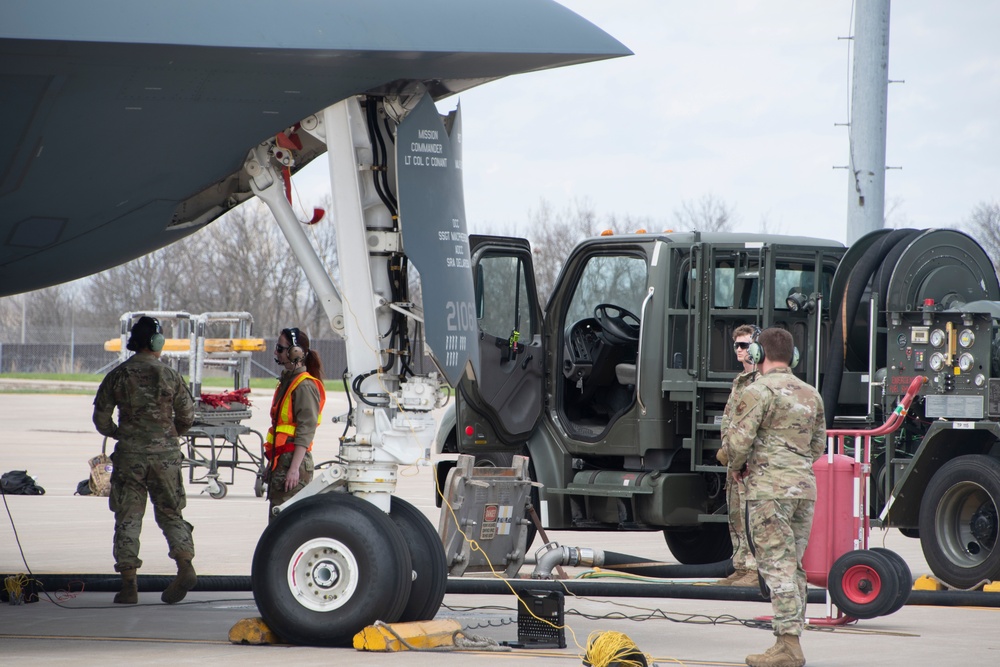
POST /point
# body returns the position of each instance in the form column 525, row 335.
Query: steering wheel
column 620, row 326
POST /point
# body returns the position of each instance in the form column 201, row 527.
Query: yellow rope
column 605, row 648
column 15, row 586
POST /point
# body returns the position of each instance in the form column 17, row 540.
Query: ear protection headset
column 146, row 333
column 295, row 351
column 156, row 341
column 755, row 353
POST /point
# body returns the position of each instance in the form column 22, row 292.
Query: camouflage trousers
column 276, row 493
column 779, row 530
column 158, row 476
column 736, row 499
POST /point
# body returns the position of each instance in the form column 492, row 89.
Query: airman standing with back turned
column 777, row 433
column 154, row 407
column 744, row 563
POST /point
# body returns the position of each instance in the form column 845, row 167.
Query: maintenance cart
column 218, row 440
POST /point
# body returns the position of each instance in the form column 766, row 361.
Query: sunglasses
column 280, row 348
column 741, row 346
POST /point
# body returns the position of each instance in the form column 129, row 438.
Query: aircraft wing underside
column 126, row 125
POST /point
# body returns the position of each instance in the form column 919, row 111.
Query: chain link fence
column 92, row 358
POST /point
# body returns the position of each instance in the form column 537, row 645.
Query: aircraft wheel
column 904, row 578
column 863, row 584
column 708, row 543
column 959, row 521
column 430, row 567
column 329, row 566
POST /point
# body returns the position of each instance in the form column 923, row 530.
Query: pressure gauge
column 980, row 380
column 936, row 361
column 966, row 362
column 937, row 338
column 966, row 338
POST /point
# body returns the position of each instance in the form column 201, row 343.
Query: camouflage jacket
column 154, row 405
column 741, row 382
column 778, row 430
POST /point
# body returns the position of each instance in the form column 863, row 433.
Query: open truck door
column 496, row 413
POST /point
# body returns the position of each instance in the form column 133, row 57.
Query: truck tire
column 504, row 460
column 327, row 567
column 708, row 543
column 958, row 521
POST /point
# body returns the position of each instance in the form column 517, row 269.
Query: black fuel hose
column 843, row 320
column 109, row 583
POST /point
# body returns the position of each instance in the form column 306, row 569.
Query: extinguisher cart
column 861, row 582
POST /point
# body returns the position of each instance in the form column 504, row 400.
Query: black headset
column 295, row 351
column 755, row 353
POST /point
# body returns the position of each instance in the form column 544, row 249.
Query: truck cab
column 616, row 388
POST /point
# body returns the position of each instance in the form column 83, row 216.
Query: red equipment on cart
column 861, row 582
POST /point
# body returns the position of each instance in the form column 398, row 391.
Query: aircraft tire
column 328, row 567
column 430, row 567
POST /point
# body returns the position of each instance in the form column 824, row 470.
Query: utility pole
column 867, row 129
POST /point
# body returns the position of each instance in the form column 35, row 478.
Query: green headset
column 157, row 341
column 755, row 353
column 295, row 351
column 138, row 341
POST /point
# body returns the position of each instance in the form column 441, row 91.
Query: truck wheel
column 430, row 567
column 504, row 460
column 863, row 584
column 708, row 543
column 958, row 521
column 903, row 575
column 327, row 567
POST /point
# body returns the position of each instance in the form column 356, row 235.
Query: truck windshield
column 618, row 280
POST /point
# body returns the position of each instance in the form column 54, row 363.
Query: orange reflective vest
column 282, row 430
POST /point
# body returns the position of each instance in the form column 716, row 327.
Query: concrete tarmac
column 51, row 436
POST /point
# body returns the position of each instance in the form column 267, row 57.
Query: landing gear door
column 501, row 409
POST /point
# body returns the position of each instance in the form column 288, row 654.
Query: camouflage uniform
column 736, row 494
column 154, row 407
column 306, row 411
column 778, row 431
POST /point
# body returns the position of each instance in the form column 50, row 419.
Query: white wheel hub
column 323, row 574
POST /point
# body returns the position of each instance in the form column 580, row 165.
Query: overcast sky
column 741, row 100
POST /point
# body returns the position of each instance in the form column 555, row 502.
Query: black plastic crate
column 548, row 606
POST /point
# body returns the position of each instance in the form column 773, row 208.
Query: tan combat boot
column 129, row 594
column 183, row 582
column 786, row 652
column 748, row 578
column 734, row 577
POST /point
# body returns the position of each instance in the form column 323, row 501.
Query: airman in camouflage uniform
column 777, row 433
column 154, row 407
column 744, row 563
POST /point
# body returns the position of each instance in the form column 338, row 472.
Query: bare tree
column 552, row 234
column 766, row 226
column 894, row 215
column 984, row 225
column 708, row 214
